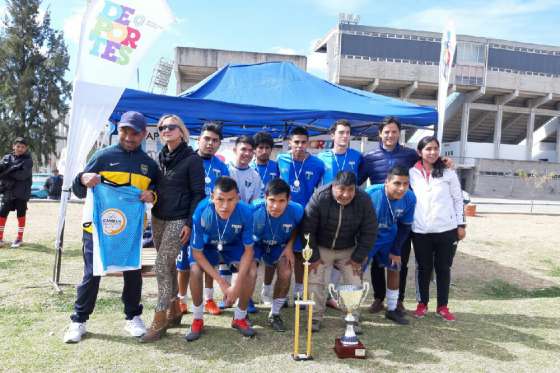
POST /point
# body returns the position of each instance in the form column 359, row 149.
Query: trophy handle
column 332, row 291
column 365, row 285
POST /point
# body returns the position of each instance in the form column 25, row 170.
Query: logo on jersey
column 287, row 227
column 309, row 174
column 236, row 227
column 113, row 221
column 144, row 169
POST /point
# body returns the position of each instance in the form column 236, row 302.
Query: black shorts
column 7, row 205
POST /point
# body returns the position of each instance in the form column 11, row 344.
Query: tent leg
column 58, row 262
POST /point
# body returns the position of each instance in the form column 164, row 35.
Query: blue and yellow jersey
column 118, row 166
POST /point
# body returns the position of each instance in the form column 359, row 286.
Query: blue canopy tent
column 274, row 96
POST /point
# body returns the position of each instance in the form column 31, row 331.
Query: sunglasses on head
column 169, row 127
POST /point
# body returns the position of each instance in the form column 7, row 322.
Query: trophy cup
column 349, row 298
column 305, row 301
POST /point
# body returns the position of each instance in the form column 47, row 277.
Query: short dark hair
column 277, row 186
column 340, row 122
column 439, row 166
column 345, row 178
column 244, row 139
column 263, row 138
column 387, row 121
column 20, row 140
column 213, row 127
column 299, row 130
column 226, row 184
column 397, row 171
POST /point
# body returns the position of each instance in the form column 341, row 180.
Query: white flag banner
column 115, row 35
column 448, row 44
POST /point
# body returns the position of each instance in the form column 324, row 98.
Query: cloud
column 496, row 19
column 316, row 62
column 72, row 25
column 284, row 50
column 333, row 7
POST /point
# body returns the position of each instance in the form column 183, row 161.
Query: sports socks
column 21, row 227
column 239, row 314
column 2, row 225
column 198, row 311
column 277, row 304
column 298, row 289
column 267, row 289
column 392, row 298
column 208, row 293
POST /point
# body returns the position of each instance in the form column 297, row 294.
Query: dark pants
column 88, row 289
column 378, row 274
column 7, row 205
column 435, row 250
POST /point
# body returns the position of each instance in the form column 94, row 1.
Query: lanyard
column 390, row 208
column 263, row 176
column 343, row 163
column 269, row 220
column 207, row 179
column 296, row 174
column 220, row 235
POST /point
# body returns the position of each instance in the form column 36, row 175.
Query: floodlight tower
column 160, row 76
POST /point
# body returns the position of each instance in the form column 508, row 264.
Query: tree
column 33, row 91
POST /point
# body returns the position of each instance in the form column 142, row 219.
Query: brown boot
column 174, row 314
column 376, row 306
column 157, row 329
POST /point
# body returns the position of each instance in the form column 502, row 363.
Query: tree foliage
column 33, row 91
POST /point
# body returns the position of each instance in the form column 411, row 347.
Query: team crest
column 144, row 169
column 113, row 221
column 287, row 227
column 236, row 227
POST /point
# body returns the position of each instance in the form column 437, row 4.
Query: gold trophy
column 349, row 298
column 306, row 253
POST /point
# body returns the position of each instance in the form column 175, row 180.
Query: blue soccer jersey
column 334, row 163
column 303, row 177
column 269, row 232
column 389, row 214
column 212, row 232
column 213, row 169
column 266, row 172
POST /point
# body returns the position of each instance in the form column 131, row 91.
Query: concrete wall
column 477, row 150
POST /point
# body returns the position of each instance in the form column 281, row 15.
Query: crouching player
column 275, row 226
column 222, row 233
column 394, row 206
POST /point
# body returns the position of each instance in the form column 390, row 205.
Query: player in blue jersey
column 208, row 144
column 341, row 157
column 275, row 226
column 303, row 173
column 268, row 170
column 222, row 233
column 266, row 167
column 394, row 206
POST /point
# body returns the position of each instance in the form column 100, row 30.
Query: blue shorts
column 269, row 256
column 182, row 261
column 298, row 244
column 381, row 257
column 215, row 257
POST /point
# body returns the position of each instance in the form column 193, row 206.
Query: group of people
column 210, row 219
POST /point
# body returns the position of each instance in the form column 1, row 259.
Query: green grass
column 500, row 327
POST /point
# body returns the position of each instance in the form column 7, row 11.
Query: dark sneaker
column 396, row 317
column 197, row 327
column 243, row 327
column 358, row 329
column 316, row 326
column 400, row 309
column 275, row 321
column 376, row 306
column 16, row 244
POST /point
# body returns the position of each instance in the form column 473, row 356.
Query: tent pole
column 60, row 239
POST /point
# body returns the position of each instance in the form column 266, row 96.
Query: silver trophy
column 349, row 298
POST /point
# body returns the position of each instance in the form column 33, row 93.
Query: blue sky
column 293, row 26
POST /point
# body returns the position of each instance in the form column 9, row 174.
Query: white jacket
column 439, row 201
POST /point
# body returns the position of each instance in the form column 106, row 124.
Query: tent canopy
column 274, row 96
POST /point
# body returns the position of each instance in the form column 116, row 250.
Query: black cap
column 20, row 140
column 133, row 119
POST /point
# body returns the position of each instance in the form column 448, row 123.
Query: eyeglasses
column 170, row 127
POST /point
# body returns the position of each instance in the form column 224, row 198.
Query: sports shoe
column 421, row 310
column 315, row 325
column 211, row 307
column 376, row 306
column 401, row 310
column 396, row 317
column 444, row 313
column 197, row 327
column 266, row 299
column 16, row 244
column 135, row 327
column 222, row 305
column 275, row 321
column 74, row 332
column 184, row 308
column 251, row 306
column 243, row 327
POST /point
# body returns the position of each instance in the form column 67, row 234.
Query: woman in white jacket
column 438, row 224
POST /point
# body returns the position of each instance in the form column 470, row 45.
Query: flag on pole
column 115, row 35
column 448, row 44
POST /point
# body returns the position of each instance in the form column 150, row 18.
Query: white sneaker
column 74, row 332
column 266, row 299
column 16, row 244
column 135, row 327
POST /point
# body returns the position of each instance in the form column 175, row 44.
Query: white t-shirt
column 248, row 182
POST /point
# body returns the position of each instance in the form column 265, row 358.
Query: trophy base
column 302, row 357
column 357, row 351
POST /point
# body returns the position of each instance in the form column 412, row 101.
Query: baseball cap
column 20, row 140
column 133, row 119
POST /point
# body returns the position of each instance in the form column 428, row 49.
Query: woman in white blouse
column 438, row 224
